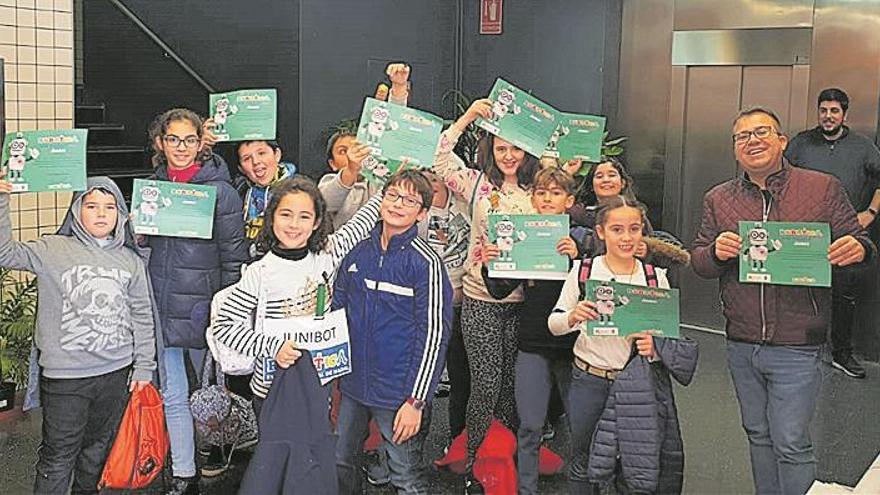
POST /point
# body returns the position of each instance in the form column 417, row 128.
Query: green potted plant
column 18, row 307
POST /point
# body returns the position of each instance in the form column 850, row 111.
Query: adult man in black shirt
column 833, row 148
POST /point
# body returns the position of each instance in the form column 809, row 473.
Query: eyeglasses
column 392, row 196
column 763, row 132
column 174, row 141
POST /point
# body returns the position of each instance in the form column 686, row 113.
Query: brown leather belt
column 595, row 371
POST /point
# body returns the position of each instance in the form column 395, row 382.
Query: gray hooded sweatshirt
column 94, row 311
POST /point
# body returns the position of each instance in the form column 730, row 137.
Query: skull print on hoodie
column 94, row 312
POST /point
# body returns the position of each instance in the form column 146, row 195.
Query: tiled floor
column 846, row 435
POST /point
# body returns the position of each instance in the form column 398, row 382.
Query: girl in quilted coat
column 600, row 362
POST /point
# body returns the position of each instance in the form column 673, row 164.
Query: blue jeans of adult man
column 587, row 395
column 178, row 416
column 405, row 461
column 777, row 388
column 536, row 376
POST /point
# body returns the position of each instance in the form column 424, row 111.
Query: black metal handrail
column 164, row 46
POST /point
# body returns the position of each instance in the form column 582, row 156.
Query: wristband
column 872, row 211
column 418, row 405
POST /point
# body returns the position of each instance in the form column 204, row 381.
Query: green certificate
column 625, row 309
column 785, row 253
column 528, row 246
column 173, row 209
column 395, row 134
column 520, row 118
column 577, row 136
column 245, row 115
column 46, row 161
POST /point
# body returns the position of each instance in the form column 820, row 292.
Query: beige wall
column 36, row 43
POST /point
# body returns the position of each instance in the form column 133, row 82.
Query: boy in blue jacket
column 398, row 301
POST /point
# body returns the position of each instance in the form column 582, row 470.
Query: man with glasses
column 833, row 148
column 774, row 332
column 398, row 301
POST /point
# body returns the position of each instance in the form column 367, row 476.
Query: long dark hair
column 525, row 174
column 266, row 239
column 587, row 195
column 159, row 127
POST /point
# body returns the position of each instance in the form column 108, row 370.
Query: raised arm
column 460, row 179
column 355, row 230
column 14, row 254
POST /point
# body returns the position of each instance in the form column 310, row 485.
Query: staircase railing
column 164, row 46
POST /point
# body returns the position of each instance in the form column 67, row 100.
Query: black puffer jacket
column 187, row 272
column 640, row 422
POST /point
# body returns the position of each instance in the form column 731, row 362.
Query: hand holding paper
column 585, row 310
column 287, row 355
column 479, row 108
column 846, row 251
column 644, row 342
column 727, row 246
column 567, row 247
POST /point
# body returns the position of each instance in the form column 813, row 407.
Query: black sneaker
column 442, row 390
column 377, row 471
column 183, row 486
column 472, row 485
column 216, row 464
column 849, row 366
column 549, row 432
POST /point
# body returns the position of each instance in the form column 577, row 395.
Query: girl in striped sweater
column 301, row 261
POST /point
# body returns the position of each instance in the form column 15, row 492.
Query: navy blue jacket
column 297, row 452
column 187, row 272
column 639, row 425
column 399, row 309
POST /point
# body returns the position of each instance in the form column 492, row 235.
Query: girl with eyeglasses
column 187, row 272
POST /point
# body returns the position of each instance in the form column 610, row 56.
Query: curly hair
column 266, row 239
column 160, row 124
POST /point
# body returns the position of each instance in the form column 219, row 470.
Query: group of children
column 407, row 261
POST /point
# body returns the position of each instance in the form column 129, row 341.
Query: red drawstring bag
column 494, row 465
column 139, row 450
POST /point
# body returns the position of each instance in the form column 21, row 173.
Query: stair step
column 114, row 173
column 89, row 114
column 117, row 158
column 103, row 134
column 101, row 126
column 115, row 149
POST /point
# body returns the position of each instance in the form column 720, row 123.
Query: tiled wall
column 36, row 43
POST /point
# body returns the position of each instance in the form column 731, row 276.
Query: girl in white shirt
column 598, row 360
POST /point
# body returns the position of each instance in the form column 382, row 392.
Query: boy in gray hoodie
column 95, row 332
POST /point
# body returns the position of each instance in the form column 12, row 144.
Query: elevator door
column 704, row 101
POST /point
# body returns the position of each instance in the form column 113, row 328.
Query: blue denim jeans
column 536, row 376
column 405, row 461
column 587, row 395
column 178, row 417
column 777, row 388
